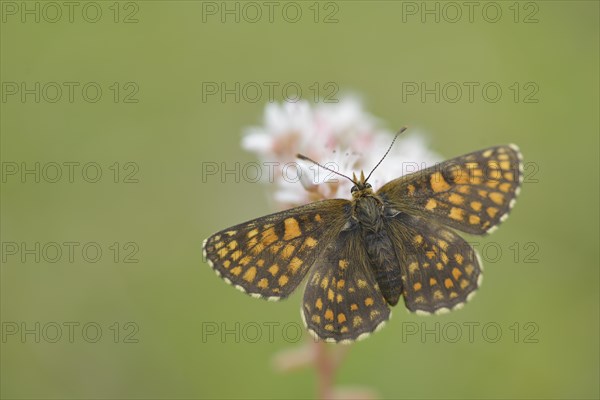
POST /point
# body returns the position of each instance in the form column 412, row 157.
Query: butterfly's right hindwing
column 269, row 256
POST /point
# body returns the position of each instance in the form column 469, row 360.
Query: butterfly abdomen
column 384, row 263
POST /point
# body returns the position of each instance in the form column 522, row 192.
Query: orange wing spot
column 505, row 187
column 361, row 283
column 251, row 243
column 274, row 269
column 325, row 283
column 456, row 273
column 453, row 295
column 438, row 184
column 439, row 266
column 252, row 233
column 353, row 307
column 250, row 274
column 432, row 281
column 295, row 265
column 426, row 265
column 443, row 244
column 263, row 283
column 269, row 237
column 492, row 211
column 505, row 165
column 509, row 176
column 236, row 255
column 232, row 245
column 418, row 239
column 503, row 157
column 260, row 262
column 340, row 284
column 344, row 329
column 469, row 269
column 456, row 214
column 413, row 267
column 318, row 218
column 330, row 295
column 283, row 279
column 482, row 193
column 474, row 219
column 319, row 303
column 492, row 184
column 456, row 199
column 357, row 321
column 329, row 327
column 459, row 258
column 310, row 242
column 369, row 301
column 236, row 271
column 341, row 318
column 431, row 204
column 487, row 153
column 430, row 254
column 245, row 261
column 292, row 229
column 444, row 258
column 275, row 248
column 223, row 252
column 226, row 263
column 276, row 290
column 419, row 299
column 257, row 249
column 411, row 190
column 343, row 264
column 464, row 283
column 219, row 245
column 373, row 314
column 329, row 315
column 476, row 205
column 464, row 189
column 460, row 176
column 231, row 233
column 287, row 251
column 438, row 295
column 417, row 286
column 316, row 319
column 497, row 198
column 339, row 298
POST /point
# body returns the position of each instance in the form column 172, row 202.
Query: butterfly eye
column 354, row 189
column 368, row 185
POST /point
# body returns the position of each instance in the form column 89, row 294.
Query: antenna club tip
column 301, row 156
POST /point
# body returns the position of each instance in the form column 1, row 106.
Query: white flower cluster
column 341, row 136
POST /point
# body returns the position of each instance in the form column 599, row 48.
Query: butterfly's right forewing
column 269, row 256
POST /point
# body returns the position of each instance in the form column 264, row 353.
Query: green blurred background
column 169, row 296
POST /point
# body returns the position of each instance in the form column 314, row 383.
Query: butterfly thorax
column 369, row 212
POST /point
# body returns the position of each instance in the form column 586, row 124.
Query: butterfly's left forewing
column 269, row 256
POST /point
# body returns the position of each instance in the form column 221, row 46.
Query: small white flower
column 341, row 136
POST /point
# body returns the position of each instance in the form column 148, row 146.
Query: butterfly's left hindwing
column 269, row 256
column 342, row 301
column 472, row 193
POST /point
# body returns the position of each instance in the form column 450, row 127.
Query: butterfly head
column 361, row 186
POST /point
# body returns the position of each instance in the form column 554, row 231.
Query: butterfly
column 360, row 256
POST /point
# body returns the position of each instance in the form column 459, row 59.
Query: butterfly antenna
column 386, row 153
column 303, row 157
